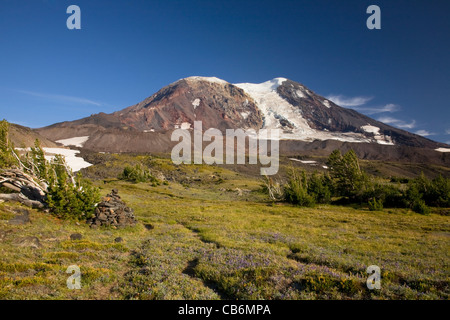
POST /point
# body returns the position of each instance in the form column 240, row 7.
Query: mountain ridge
column 302, row 116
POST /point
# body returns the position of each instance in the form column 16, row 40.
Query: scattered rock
column 76, row 236
column 118, row 239
column 22, row 218
column 112, row 211
column 3, row 234
column 30, row 242
column 160, row 176
column 240, row 192
column 148, row 226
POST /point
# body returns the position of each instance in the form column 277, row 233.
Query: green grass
column 216, row 237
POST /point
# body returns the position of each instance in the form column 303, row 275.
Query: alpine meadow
column 235, row 151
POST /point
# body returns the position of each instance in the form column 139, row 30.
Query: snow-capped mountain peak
column 280, row 103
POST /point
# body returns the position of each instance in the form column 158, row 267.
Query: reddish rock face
column 217, row 105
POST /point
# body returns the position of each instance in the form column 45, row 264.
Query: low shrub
column 296, row 190
column 139, row 173
column 419, row 206
column 375, row 204
column 68, row 200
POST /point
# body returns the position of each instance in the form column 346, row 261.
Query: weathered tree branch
column 19, row 178
column 10, row 186
column 29, row 192
column 20, row 198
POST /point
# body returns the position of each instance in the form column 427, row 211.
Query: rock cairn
column 112, row 211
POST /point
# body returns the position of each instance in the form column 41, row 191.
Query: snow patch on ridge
column 196, row 103
column 75, row 141
column 208, row 79
column 371, row 129
column 379, row 138
column 387, row 141
column 185, row 126
column 245, row 115
column 300, row 94
column 442, row 149
column 303, row 161
column 326, row 103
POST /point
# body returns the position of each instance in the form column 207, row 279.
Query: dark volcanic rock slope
column 323, row 114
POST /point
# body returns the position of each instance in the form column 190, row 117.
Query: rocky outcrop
column 112, row 211
column 28, row 242
column 22, row 217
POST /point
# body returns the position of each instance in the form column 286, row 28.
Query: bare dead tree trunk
column 274, row 189
column 22, row 199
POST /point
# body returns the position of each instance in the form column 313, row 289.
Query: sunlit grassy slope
column 214, row 236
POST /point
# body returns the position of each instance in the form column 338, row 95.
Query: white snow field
column 75, row 141
column 304, row 161
column 380, row 138
column 371, row 129
column 274, row 108
column 443, row 149
column 74, row 162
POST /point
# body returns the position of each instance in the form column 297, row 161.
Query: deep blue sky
column 127, row 50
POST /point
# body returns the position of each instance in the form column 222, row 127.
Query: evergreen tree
column 319, row 187
column 38, row 162
column 296, row 190
column 67, row 197
column 439, row 192
column 6, row 147
column 348, row 178
column 70, row 200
